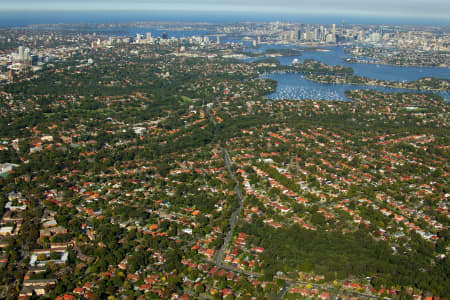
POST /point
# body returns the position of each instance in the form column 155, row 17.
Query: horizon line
column 430, row 21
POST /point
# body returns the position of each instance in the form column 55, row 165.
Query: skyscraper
column 26, row 56
column 297, row 34
column 316, row 34
column 361, row 35
column 333, row 33
column 292, row 36
column 21, row 54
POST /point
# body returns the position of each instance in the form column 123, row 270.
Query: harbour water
column 295, row 86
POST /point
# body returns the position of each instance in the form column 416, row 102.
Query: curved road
column 283, row 290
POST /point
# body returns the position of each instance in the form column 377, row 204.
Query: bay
column 295, row 86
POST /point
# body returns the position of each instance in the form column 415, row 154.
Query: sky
column 439, row 9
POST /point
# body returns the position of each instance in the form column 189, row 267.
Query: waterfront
column 335, row 55
column 295, row 86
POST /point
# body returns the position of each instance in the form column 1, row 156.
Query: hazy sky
column 403, row 8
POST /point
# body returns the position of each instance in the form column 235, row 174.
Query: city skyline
column 384, row 8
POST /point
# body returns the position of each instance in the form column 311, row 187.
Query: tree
column 174, row 282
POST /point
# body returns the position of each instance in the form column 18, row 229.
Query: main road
column 218, row 258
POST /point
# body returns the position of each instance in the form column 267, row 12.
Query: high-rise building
column 361, row 35
column 21, row 54
column 292, row 36
column 316, row 34
column 34, row 59
column 330, row 39
column 218, row 40
column 375, row 37
column 297, row 34
column 333, row 33
column 26, row 56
